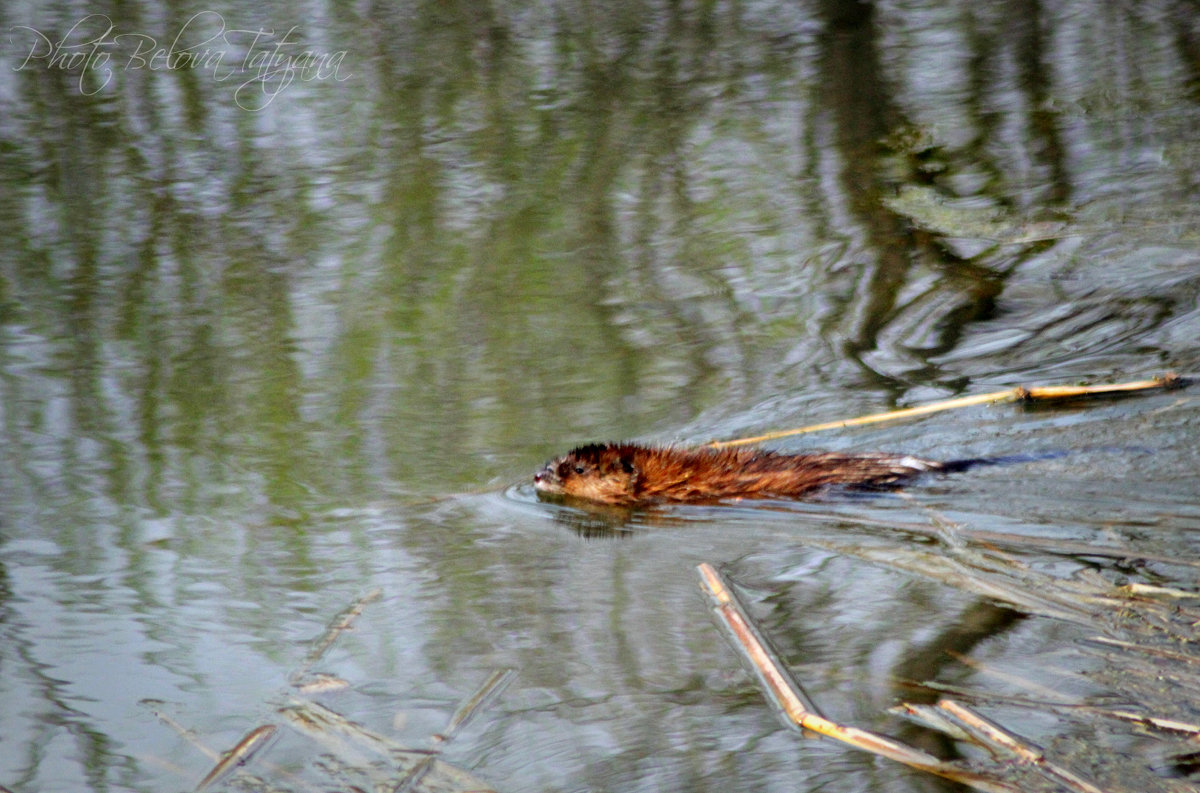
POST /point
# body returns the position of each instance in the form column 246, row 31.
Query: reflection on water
column 258, row 327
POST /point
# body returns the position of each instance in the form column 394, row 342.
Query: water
column 266, row 346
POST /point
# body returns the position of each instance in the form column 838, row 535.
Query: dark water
column 272, row 338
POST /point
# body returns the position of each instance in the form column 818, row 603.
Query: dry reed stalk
column 341, row 623
column 1151, row 723
column 1018, row 394
column 1086, row 598
column 239, row 755
column 407, row 770
column 241, row 752
column 183, row 732
column 993, row 540
column 483, row 696
column 1017, row 681
column 344, row 738
column 490, row 689
column 991, row 735
column 1154, row 722
column 785, row 694
column 1157, row 652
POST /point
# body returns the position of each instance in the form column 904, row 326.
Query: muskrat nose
column 545, row 479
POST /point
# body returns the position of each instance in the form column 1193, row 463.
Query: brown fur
column 625, row 473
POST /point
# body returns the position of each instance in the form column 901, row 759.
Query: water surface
column 272, row 340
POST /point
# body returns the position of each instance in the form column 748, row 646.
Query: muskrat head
column 603, row 473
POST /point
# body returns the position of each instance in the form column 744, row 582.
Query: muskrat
column 629, row 474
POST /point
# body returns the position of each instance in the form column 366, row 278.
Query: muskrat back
column 628, row 474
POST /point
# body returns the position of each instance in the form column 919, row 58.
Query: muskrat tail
column 953, row 466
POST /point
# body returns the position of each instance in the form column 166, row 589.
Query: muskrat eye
column 579, row 469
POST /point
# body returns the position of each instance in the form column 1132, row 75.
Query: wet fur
column 626, row 473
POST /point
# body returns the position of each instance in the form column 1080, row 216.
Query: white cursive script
column 258, row 63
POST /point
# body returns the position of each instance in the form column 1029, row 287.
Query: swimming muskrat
column 629, row 474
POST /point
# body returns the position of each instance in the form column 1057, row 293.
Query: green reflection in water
column 239, row 339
